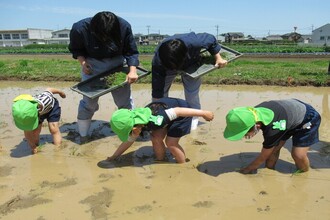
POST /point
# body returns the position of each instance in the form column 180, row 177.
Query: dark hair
column 172, row 53
column 105, row 26
column 156, row 107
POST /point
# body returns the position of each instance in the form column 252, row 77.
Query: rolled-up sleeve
column 209, row 42
column 130, row 51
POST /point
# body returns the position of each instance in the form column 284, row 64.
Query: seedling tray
column 99, row 85
column 200, row 69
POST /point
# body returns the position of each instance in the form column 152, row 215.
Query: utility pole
column 148, row 27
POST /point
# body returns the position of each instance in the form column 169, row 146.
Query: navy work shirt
column 84, row 43
column 194, row 43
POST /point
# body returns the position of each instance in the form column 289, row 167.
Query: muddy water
column 74, row 182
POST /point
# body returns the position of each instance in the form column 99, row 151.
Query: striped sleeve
column 46, row 101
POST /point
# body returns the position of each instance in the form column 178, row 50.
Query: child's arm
column 191, row 112
column 56, row 91
column 120, row 150
column 254, row 165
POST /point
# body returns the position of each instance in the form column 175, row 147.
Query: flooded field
column 74, row 181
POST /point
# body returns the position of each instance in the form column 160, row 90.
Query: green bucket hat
column 123, row 121
column 25, row 112
column 240, row 120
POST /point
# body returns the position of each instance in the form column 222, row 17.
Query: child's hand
column 62, row 94
column 208, row 115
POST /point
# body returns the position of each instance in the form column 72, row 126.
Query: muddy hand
column 208, row 116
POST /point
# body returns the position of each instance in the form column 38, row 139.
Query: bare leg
column 272, row 160
column 55, row 131
column 175, row 149
column 157, row 139
column 32, row 138
column 299, row 155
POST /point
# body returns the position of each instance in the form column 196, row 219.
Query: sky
column 258, row 18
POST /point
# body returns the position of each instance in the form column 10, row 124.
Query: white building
column 20, row 38
column 321, row 35
column 59, row 37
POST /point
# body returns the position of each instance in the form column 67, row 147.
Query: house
column 275, row 37
column 19, row 38
column 149, row 39
column 321, row 35
column 293, row 36
column 59, row 37
column 305, row 39
column 232, row 36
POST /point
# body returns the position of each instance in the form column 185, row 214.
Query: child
column 168, row 119
column 30, row 112
column 279, row 120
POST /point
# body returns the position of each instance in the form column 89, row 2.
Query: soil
column 75, row 182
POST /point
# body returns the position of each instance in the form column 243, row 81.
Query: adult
column 177, row 53
column 101, row 43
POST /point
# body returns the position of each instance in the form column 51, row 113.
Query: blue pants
column 191, row 88
column 305, row 137
column 121, row 96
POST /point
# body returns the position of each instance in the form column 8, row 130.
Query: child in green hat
column 279, row 120
column 29, row 112
column 168, row 119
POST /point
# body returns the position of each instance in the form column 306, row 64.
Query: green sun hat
column 123, row 121
column 25, row 112
column 240, row 120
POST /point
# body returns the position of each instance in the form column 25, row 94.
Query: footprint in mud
column 266, row 209
column 99, row 203
column 5, row 170
column 21, row 202
column 60, row 184
column 197, row 142
column 143, row 208
column 203, row 204
column 104, row 177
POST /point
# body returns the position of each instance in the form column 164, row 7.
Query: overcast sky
column 255, row 17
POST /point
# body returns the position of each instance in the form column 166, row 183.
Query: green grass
column 245, row 70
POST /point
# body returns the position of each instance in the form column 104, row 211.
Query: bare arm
column 191, row 112
column 120, row 150
column 56, row 91
column 254, row 165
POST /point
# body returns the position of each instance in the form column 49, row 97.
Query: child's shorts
column 53, row 116
column 307, row 133
column 180, row 127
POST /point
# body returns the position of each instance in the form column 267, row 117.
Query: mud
column 75, row 182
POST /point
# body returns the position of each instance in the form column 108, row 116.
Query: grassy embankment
column 254, row 70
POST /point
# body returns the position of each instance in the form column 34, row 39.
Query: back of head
column 25, row 114
column 172, row 54
column 105, row 26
